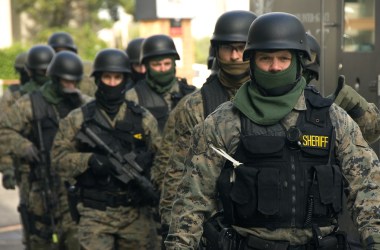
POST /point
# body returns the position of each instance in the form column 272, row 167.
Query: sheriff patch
column 315, row 141
column 138, row 136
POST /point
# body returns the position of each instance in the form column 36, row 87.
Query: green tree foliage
column 77, row 17
column 201, row 47
column 8, row 57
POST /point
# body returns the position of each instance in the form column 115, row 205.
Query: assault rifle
column 125, row 168
column 48, row 191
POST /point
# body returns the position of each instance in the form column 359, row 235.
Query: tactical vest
column 213, row 94
column 155, row 102
column 290, row 179
column 126, row 136
column 45, row 121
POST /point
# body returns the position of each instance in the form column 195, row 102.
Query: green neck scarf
column 29, row 87
column 161, row 82
column 269, row 109
column 50, row 93
column 233, row 75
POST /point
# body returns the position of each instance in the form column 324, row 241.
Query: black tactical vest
column 45, row 121
column 213, row 94
column 156, row 104
column 126, row 136
column 289, row 178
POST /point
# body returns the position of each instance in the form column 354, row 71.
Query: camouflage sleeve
column 161, row 160
column 189, row 115
column 6, row 102
column 196, row 199
column 15, row 125
column 369, row 123
column 360, row 166
column 150, row 127
column 131, row 95
column 66, row 159
column 8, row 99
column 6, row 163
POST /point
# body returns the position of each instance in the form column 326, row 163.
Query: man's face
column 161, row 65
column 68, row 84
column 231, row 52
column 139, row 68
column 273, row 61
column 112, row 78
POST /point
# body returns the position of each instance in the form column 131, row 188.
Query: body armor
column 213, row 94
column 289, row 178
column 126, row 136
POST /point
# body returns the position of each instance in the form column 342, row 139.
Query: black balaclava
column 110, row 98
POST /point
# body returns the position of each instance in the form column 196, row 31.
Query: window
column 359, row 26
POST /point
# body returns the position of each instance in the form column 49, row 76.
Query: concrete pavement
column 10, row 228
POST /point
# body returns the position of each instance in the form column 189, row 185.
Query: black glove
column 30, row 154
column 100, row 164
column 9, row 181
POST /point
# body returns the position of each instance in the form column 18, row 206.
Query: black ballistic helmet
column 62, row 40
column 39, row 57
column 133, row 50
column 232, row 26
column 66, row 65
column 111, row 60
column 158, row 45
column 315, row 50
column 20, row 61
column 276, row 31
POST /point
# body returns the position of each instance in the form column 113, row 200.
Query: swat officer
column 28, row 128
column 161, row 90
column 61, row 41
column 19, row 67
column 97, row 150
column 33, row 63
column 291, row 150
column 6, row 164
column 138, row 69
column 365, row 114
column 228, row 42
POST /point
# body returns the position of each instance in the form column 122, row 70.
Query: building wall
column 182, row 38
column 6, row 23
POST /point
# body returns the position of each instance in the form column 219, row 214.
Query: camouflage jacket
column 186, row 115
column 196, row 200
column 161, row 158
column 369, row 123
column 71, row 163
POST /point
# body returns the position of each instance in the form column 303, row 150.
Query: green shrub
column 8, row 56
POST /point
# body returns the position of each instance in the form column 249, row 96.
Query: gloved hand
column 9, row 181
column 348, row 99
column 100, row 164
column 30, row 154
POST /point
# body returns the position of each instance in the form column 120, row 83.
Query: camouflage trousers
column 117, row 228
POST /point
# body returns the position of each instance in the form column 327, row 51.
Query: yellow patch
column 138, row 136
column 317, row 141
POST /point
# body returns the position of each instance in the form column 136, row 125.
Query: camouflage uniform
column 161, row 158
column 369, row 123
column 15, row 127
column 96, row 228
column 12, row 164
column 186, row 116
column 196, row 200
